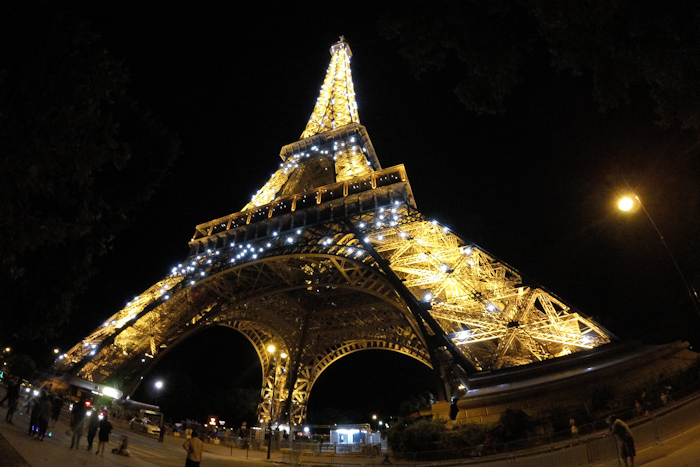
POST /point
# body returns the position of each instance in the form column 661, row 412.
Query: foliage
column 22, row 366
column 77, row 157
column 415, row 402
column 556, row 418
column 408, row 435
column 687, row 378
column 422, row 435
column 512, row 425
column 463, row 436
column 622, row 49
column 600, row 399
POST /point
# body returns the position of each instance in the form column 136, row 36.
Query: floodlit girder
column 273, row 282
column 331, row 257
column 470, row 291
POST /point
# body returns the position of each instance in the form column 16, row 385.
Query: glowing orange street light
column 626, row 204
column 632, row 203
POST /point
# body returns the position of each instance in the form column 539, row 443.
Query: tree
column 421, row 435
column 77, row 158
column 512, row 425
column 22, row 366
column 544, row 69
column 623, row 49
column 415, row 402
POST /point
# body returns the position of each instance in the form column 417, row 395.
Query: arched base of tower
column 569, row 382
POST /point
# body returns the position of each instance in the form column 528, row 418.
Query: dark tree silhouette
column 77, row 158
column 623, row 49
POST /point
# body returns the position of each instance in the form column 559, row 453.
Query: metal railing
column 560, row 449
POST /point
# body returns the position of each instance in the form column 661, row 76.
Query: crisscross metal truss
column 316, row 294
column 324, row 291
column 479, row 302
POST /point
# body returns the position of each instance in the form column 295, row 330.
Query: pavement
column 17, row 449
column 682, row 450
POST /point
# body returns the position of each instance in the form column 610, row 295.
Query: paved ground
column 17, row 449
column 680, row 451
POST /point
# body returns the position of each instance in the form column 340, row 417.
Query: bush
column 463, row 436
column 419, row 436
column 513, row 425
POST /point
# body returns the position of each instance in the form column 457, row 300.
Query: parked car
column 144, row 426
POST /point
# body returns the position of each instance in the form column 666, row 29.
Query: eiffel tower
column 331, row 256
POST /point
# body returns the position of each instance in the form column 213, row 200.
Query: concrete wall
column 567, row 383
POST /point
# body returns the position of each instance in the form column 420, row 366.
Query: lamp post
column 271, row 350
column 628, row 204
column 56, row 351
column 158, row 385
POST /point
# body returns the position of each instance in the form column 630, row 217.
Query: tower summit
column 336, row 105
column 334, row 147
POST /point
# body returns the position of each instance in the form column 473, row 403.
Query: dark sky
column 534, row 187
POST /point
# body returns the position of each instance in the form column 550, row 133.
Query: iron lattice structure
column 331, row 257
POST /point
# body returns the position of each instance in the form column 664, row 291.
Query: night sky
column 535, row 187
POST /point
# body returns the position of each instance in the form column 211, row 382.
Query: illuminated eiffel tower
column 331, row 257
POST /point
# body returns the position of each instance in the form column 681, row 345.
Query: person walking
column 45, row 405
column 57, row 406
column 93, row 424
column 12, row 399
column 574, row 431
column 194, row 447
column 8, row 385
column 103, row 437
column 77, row 423
column 34, row 414
column 624, row 438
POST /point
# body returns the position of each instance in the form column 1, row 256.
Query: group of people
column 82, row 415
column 43, row 407
column 40, row 414
column 623, row 436
column 46, row 406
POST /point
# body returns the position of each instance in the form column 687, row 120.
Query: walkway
column 17, row 449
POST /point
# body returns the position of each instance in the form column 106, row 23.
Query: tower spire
column 336, row 105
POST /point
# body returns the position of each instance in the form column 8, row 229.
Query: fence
column 555, row 449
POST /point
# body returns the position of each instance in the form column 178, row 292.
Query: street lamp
column 54, row 366
column 271, row 349
column 630, row 204
column 158, row 385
